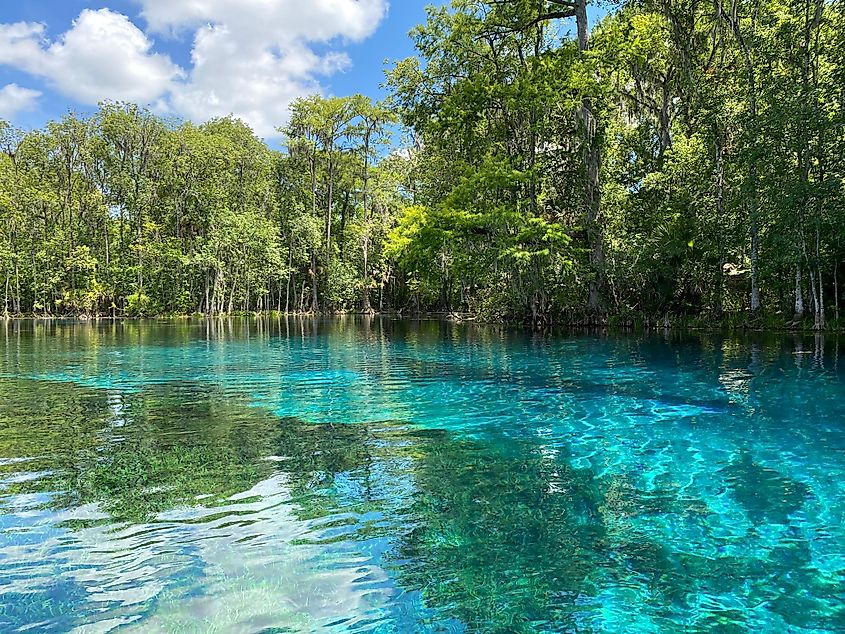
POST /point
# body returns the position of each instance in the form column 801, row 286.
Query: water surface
column 372, row 475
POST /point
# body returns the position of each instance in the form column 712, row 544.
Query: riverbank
column 634, row 323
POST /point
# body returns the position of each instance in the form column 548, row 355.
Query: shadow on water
column 766, row 495
column 163, row 505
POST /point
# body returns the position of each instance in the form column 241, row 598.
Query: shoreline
column 605, row 323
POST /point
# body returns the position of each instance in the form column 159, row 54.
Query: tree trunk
column 820, row 316
column 814, row 300
column 719, row 178
column 365, row 291
column 755, row 238
column 344, row 212
column 35, row 281
column 313, row 165
column 329, row 210
column 314, row 306
column 17, row 297
column 232, row 294
column 6, row 294
column 290, row 275
column 753, row 223
column 592, row 165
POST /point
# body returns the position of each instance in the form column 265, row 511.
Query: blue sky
column 57, row 55
column 195, row 60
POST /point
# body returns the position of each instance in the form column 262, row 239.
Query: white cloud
column 102, row 56
column 234, row 75
column 14, row 99
column 253, row 57
column 250, row 58
column 271, row 20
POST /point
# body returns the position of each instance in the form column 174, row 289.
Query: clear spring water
column 359, row 475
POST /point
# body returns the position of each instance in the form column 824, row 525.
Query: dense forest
column 675, row 159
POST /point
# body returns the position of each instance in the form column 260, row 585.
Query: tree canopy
column 679, row 159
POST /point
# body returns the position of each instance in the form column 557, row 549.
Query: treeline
column 683, row 158
column 124, row 213
column 680, row 158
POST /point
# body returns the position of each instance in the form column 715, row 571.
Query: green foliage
column 679, row 159
column 714, row 136
column 124, row 213
column 138, row 305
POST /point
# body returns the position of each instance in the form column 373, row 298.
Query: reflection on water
column 369, row 475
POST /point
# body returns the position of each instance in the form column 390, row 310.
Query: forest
column 673, row 160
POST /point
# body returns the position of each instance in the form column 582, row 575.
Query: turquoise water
column 370, row 475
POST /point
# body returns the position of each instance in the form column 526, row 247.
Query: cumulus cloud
column 102, row 56
column 271, row 20
column 249, row 58
column 15, row 99
column 253, row 57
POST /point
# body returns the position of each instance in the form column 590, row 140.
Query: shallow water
column 359, row 475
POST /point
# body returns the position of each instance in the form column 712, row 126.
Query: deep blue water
column 371, row 475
